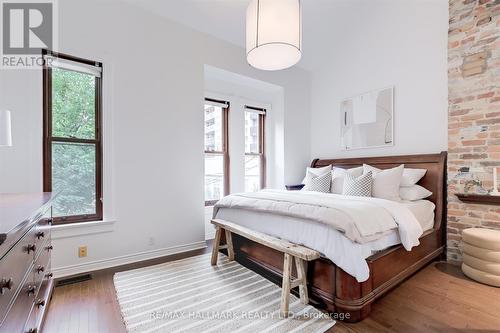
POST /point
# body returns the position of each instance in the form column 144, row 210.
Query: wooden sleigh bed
column 333, row 289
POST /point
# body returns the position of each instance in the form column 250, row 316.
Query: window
column 255, row 163
column 72, row 149
column 216, row 151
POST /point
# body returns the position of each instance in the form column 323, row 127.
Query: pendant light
column 274, row 34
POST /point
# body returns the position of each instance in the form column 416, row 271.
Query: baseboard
column 60, row 272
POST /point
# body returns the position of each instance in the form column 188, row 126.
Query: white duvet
column 360, row 219
column 332, row 243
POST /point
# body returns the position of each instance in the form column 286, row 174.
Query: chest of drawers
column 25, row 252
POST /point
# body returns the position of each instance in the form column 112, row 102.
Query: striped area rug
column 190, row 295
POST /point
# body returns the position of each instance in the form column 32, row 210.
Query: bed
column 349, row 277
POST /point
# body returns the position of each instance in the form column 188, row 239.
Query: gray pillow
column 358, row 186
column 319, row 183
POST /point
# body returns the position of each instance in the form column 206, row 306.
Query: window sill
column 82, row 229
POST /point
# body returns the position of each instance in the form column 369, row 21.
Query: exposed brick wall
column 474, row 111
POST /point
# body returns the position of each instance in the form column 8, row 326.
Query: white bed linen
column 361, row 219
column 348, row 255
column 423, row 211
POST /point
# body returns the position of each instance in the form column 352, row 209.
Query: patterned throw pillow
column 319, row 183
column 358, row 186
column 338, row 175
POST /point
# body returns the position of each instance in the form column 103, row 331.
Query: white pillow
column 338, row 175
column 385, row 182
column 415, row 192
column 319, row 183
column 317, row 171
column 356, row 172
column 412, row 176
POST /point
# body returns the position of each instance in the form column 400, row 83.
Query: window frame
column 225, row 147
column 48, row 139
column 262, row 144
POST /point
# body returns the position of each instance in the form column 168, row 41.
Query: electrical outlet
column 82, row 251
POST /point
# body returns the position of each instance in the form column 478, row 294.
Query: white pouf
column 481, row 253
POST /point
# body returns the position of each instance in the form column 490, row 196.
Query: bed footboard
column 332, row 289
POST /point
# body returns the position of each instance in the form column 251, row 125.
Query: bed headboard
column 434, row 180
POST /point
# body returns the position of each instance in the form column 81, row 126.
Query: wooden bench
column 292, row 252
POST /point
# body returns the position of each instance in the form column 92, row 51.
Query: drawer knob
column 50, row 221
column 40, row 269
column 31, row 290
column 30, row 247
column 40, row 234
column 32, row 330
column 49, row 248
column 6, row 284
column 49, row 275
column 40, row 302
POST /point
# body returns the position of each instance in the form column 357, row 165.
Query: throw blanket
column 360, row 219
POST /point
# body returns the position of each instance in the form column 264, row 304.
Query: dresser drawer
column 44, row 291
column 43, row 245
column 42, row 232
column 42, row 299
column 41, row 266
column 16, row 265
column 18, row 315
column 35, row 320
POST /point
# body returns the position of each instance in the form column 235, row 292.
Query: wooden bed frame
column 333, row 289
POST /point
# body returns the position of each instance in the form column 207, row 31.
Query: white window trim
column 82, row 229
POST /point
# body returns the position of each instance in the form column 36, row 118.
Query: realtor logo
column 27, row 27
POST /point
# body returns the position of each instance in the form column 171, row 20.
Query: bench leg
column 215, row 247
column 285, row 286
column 229, row 243
column 301, row 276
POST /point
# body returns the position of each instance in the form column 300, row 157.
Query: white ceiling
column 225, row 19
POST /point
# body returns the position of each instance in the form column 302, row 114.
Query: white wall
column 153, row 129
column 375, row 44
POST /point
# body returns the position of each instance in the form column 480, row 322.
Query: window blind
column 255, row 110
column 55, row 62
column 216, row 103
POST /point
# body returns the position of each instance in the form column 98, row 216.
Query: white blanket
column 360, row 219
column 331, row 243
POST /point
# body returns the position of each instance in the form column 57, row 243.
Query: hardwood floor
column 439, row 298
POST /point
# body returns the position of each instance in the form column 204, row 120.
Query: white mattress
column 348, row 255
